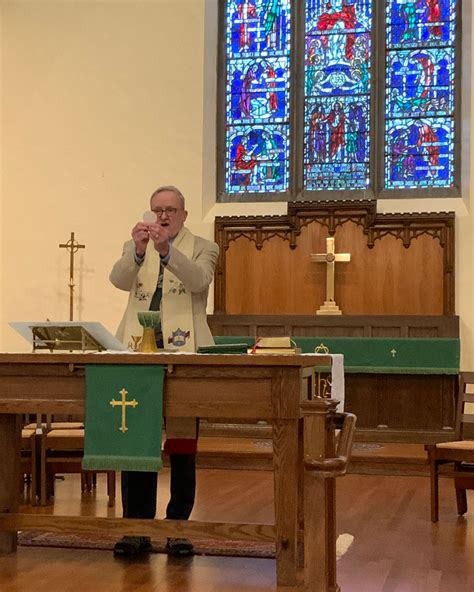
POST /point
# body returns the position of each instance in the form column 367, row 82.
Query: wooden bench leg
column 434, row 486
column 86, row 481
column 44, row 485
column 83, row 481
column 461, row 501
column 35, row 494
column 111, row 488
column 21, row 483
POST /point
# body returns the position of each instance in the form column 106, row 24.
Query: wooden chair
column 459, row 453
column 62, row 450
column 31, row 438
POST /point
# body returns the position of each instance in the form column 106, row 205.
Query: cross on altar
column 330, row 257
column 124, row 404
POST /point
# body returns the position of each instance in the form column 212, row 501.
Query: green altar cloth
column 381, row 355
column 124, row 413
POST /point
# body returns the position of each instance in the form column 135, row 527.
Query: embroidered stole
column 177, row 325
column 178, row 334
column 176, row 303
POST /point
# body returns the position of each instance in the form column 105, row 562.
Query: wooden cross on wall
column 330, row 257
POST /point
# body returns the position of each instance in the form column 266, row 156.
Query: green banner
column 124, row 414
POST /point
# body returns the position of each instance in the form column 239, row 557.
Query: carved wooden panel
column 401, row 264
column 340, row 326
column 410, row 408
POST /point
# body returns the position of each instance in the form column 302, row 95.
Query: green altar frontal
column 380, row 355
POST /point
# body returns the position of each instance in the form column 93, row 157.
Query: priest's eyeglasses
column 169, row 211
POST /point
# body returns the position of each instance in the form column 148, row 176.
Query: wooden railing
column 323, row 462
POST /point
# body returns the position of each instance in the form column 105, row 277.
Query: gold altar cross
column 124, row 403
column 72, row 246
column 330, row 257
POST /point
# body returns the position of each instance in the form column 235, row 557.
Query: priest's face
column 169, row 211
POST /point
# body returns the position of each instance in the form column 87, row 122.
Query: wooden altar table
column 268, row 387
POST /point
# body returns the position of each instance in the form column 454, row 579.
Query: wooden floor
column 396, row 548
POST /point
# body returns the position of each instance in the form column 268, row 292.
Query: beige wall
column 101, row 101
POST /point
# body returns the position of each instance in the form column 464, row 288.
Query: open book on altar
column 67, row 336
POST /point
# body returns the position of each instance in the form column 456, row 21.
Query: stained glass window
column 419, row 102
column 257, row 98
column 325, row 99
column 337, row 94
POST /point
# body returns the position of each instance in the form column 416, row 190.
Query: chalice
column 149, row 320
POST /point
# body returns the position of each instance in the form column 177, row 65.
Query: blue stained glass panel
column 343, row 177
column 257, row 158
column 420, row 82
column 327, row 77
column 243, row 28
column 257, row 90
column 336, row 151
column 421, row 23
column 337, row 94
column 419, row 125
column 351, row 15
column 257, row 27
column 419, row 153
column 257, row 96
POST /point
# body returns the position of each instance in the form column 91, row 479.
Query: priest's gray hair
column 172, row 188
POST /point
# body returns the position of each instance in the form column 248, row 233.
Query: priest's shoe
column 131, row 546
column 179, row 547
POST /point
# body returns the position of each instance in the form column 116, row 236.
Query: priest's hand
column 160, row 236
column 141, row 236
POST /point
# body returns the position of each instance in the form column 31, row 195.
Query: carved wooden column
column 9, row 473
column 322, row 465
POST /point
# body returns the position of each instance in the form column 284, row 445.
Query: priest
column 165, row 267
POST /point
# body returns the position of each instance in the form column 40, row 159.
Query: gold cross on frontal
column 124, row 403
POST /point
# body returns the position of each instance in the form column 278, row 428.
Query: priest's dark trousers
column 139, row 490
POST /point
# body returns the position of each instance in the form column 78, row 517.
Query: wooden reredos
column 401, row 264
